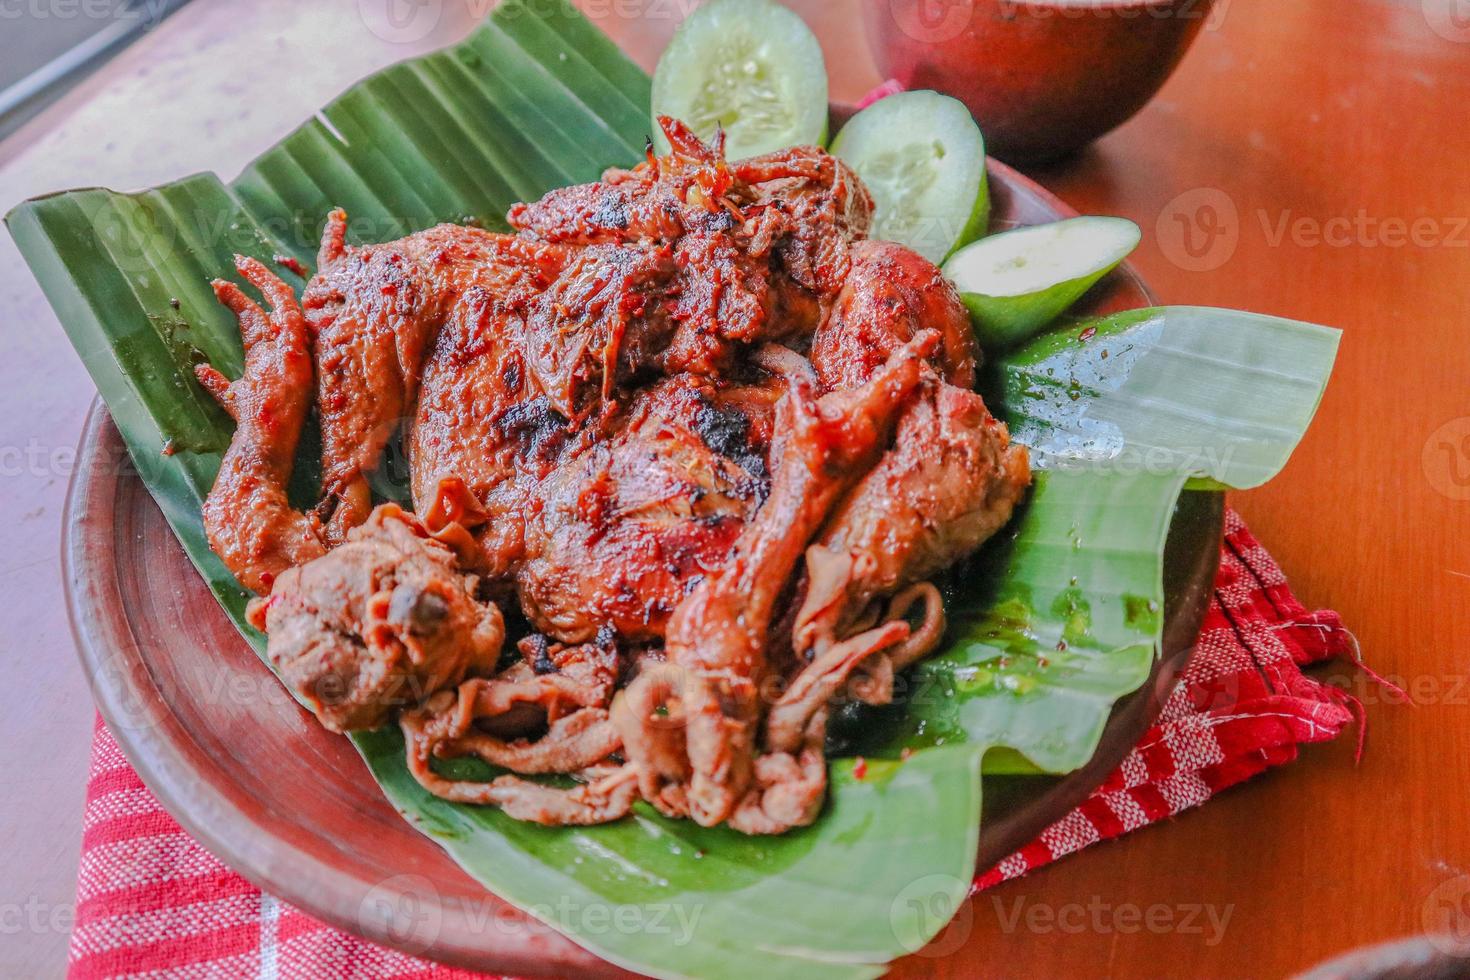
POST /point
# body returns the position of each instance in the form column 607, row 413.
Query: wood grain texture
column 1320, row 109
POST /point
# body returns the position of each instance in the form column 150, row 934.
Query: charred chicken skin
column 694, row 428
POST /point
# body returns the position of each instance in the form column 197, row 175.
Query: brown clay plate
column 294, row 809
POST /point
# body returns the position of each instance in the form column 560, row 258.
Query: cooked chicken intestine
column 708, row 441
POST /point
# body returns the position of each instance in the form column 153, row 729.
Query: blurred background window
column 47, row 46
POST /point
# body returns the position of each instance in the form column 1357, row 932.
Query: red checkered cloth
column 153, row 901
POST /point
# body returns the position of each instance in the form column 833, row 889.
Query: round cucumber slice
column 750, row 66
column 1019, row 281
column 922, row 156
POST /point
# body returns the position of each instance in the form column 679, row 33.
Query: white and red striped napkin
column 152, row 901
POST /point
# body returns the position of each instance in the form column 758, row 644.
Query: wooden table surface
column 1331, row 139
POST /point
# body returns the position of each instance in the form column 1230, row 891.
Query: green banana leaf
column 1053, row 622
column 1145, row 392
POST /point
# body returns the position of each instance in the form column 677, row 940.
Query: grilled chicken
column 707, row 440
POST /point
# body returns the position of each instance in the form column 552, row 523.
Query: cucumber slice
column 1019, row 281
column 751, row 66
column 923, row 157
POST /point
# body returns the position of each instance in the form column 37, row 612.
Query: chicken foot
column 247, row 517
